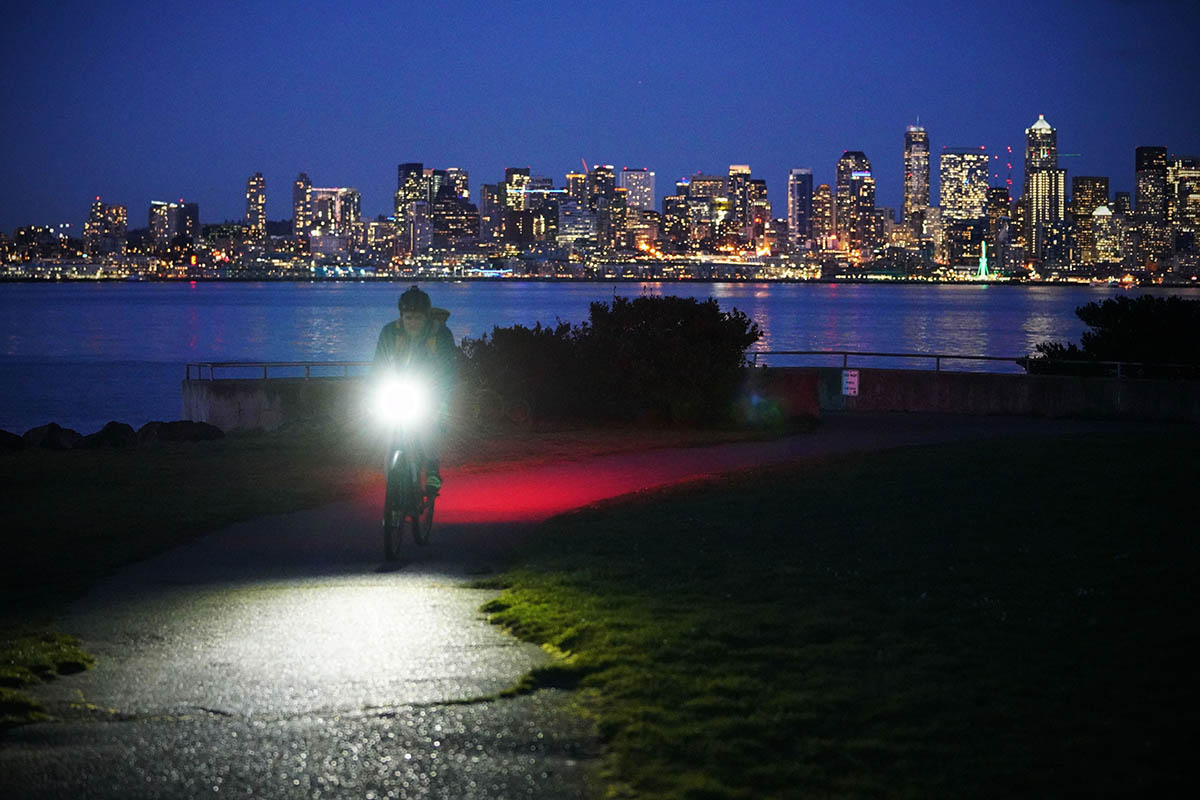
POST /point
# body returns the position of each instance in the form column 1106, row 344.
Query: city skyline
column 136, row 106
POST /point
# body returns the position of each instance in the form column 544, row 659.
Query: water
column 81, row 354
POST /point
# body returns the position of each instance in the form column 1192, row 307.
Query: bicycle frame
column 407, row 505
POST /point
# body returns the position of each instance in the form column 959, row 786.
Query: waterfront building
column 105, row 231
column 1088, row 193
column 854, row 216
column 173, row 223
column 997, row 208
column 302, row 205
column 256, row 207
column 824, row 232
column 916, row 177
column 799, row 206
column 963, row 240
column 963, row 181
column 739, row 177
column 639, row 186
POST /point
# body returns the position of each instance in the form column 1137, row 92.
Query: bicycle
column 407, row 505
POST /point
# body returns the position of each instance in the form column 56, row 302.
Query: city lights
column 601, row 223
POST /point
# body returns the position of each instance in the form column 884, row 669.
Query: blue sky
column 140, row 101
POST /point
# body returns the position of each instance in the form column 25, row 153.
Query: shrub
column 652, row 358
column 1160, row 334
column 521, row 364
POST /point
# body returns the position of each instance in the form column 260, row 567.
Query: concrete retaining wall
column 234, row 405
column 240, row 405
column 1029, row 395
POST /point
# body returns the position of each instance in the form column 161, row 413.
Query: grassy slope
column 1000, row 619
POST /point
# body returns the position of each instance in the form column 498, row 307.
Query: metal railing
column 324, row 367
column 938, row 358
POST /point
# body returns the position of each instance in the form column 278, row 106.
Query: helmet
column 415, row 300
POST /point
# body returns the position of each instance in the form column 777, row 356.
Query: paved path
column 280, row 658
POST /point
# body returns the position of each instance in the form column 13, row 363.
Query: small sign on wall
column 850, row 382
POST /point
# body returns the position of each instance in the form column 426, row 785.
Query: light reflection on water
column 85, row 353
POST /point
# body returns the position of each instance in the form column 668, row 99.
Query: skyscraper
column 1183, row 193
column 335, row 211
column 173, row 223
column 1106, row 235
column 601, row 185
column 1041, row 149
column 823, row 217
column 639, row 185
column 701, row 185
column 301, row 205
column 739, row 177
column 1088, row 193
column 256, row 207
column 1151, row 204
column 916, row 177
column 854, row 215
column 105, row 229
column 963, row 180
column 799, row 206
column 1047, row 210
column 459, row 181
column 411, row 187
column 1044, row 195
column 516, row 184
column 577, row 184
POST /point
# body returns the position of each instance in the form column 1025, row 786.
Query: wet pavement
column 281, row 658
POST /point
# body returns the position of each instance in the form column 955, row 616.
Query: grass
column 28, row 658
column 994, row 619
column 71, row 518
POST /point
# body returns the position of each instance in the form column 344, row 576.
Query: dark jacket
column 432, row 352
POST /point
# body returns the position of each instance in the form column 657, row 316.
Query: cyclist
column 419, row 340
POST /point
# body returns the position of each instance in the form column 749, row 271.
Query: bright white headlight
column 402, row 401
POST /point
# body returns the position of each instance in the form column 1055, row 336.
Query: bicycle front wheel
column 399, row 489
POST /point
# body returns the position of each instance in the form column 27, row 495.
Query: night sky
column 161, row 101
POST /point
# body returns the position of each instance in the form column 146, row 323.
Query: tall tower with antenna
column 916, row 177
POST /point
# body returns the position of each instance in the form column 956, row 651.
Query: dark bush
column 668, row 359
column 1154, row 336
column 521, row 365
